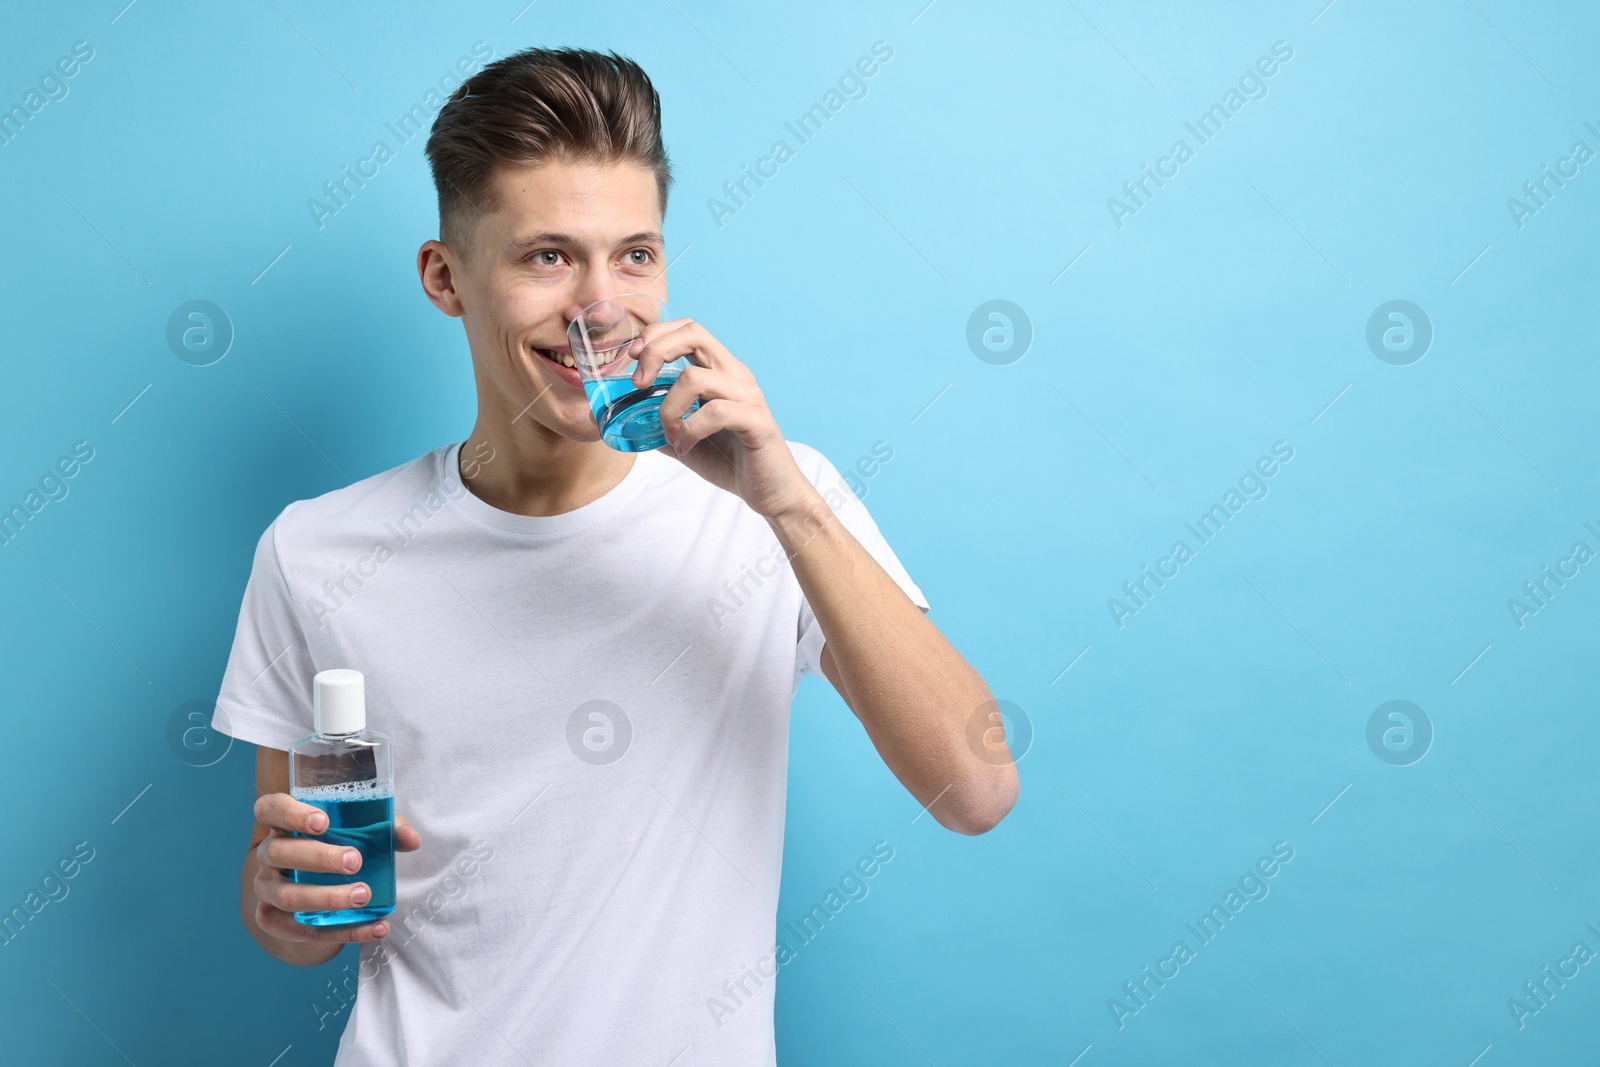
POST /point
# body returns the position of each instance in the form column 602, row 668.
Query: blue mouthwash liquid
column 629, row 418
column 362, row 819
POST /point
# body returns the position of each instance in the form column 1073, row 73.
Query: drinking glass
column 628, row 416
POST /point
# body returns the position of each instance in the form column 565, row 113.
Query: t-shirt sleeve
column 266, row 690
column 852, row 513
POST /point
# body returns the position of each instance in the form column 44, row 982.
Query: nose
column 612, row 312
column 600, row 310
column 597, row 289
column 576, row 308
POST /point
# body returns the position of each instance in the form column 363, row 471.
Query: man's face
column 565, row 235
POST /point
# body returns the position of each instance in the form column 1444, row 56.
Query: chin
column 576, row 424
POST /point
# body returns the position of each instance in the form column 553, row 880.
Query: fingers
column 282, row 812
column 710, row 388
column 703, row 384
column 282, row 925
column 303, row 854
column 406, row 837
column 651, row 359
column 660, row 343
column 275, row 890
column 709, row 418
column 278, row 897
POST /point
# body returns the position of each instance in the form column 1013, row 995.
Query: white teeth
column 559, row 357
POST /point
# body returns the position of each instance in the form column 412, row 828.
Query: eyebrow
column 522, row 243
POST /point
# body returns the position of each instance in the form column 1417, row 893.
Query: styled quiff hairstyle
column 534, row 106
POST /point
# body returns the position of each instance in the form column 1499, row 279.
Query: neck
column 523, row 467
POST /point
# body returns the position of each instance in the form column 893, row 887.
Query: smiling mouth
column 564, row 358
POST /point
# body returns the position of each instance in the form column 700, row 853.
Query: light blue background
column 1227, row 314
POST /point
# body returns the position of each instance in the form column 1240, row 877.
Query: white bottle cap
column 339, row 701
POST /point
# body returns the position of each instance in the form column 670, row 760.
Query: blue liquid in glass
column 364, row 822
column 629, row 417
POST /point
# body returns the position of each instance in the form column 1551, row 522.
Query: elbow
column 990, row 787
column 987, row 799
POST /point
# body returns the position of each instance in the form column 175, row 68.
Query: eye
column 534, row 258
column 646, row 253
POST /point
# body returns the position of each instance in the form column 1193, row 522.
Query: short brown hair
column 537, row 105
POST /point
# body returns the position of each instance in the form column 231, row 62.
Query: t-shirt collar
column 540, row 527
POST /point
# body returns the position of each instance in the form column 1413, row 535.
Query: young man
column 584, row 657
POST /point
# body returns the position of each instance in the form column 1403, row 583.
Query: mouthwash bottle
column 347, row 770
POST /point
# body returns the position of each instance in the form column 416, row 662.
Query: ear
column 437, row 268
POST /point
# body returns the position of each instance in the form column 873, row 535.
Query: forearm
column 918, row 699
column 299, row 953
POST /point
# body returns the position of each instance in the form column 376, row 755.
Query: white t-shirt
column 590, row 718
